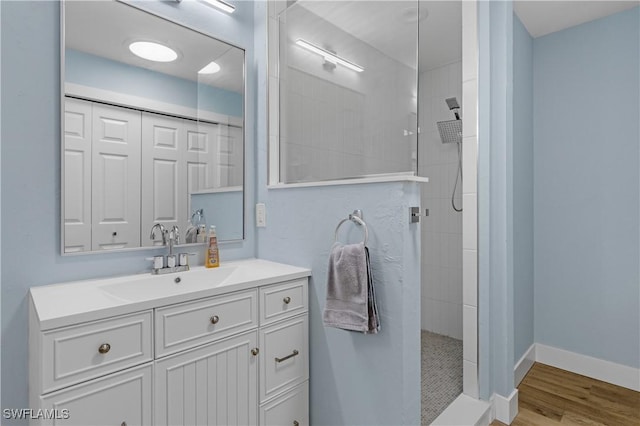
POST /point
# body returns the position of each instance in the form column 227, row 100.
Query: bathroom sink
column 147, row 287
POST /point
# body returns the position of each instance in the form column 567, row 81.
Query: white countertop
column 64, row 304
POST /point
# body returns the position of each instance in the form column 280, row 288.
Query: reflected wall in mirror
column 147, row 141
column 348, row 89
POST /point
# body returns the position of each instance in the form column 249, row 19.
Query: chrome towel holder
column 355, row 217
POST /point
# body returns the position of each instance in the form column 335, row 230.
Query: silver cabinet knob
column 214, row 319
column 255, row 351
column 295, row 423
column 104, row 348
column 287, row 300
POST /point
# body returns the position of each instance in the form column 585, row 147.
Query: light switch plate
column 261, row 215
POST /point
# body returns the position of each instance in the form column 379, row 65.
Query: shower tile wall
column 339, row 123
column 334, row 132
column 442, row 230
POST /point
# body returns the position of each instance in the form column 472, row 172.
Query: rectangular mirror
column 152, row 127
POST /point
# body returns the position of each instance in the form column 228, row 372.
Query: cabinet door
column 115, row 178
column 284, row 356
column 77, row 175
column 212, row 385
column 116, row 399
column 164, row 174
column 199, row 158
column 230, row 156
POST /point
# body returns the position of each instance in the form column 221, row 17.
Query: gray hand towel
column 350, row 297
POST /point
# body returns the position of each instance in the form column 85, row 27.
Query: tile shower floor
column 441, row 374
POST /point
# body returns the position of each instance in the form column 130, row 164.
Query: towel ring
column 359, row 221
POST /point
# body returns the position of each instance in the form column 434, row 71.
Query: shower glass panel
column 348, row 89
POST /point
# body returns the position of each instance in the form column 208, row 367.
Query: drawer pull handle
column 295, row 423
column 123, row 424
column 255, row 351
column 214, row 319
column 287, row 300
column 104, row 348
column 291, row 355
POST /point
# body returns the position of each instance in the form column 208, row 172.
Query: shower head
column 452, row 103
column 450, row 131
column 454, row 106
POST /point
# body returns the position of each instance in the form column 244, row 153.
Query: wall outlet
column 261, row 215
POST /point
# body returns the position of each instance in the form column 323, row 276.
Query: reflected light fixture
column 152, row 51
column 222, row 5
column 210, row 68
column 329, row 56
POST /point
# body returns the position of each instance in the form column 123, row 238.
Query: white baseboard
column 524, row 365
column 506, row 409
column 607, row 371
column 465, row 410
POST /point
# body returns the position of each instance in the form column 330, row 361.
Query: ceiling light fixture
column 329, row 56
column 222, row 5
column 153, row 51
column 210, row 68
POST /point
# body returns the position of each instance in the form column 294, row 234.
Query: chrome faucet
column 163, row 233
column 172, row 264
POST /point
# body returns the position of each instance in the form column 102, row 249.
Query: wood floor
column 550, row 396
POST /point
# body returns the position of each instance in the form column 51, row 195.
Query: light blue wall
column 356, row 379
column 586, row 192
column 102, row 73
column 495, row 198
column 30, row 171
column 522, row 188
column 221, row 209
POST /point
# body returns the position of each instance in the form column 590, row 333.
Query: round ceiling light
column 153, row 51
column 210, row 68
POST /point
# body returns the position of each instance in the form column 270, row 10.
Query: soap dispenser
column 212, row 259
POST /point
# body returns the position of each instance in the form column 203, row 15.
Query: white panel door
column 77, row 175
column 200, row 157
column 229, row 165
column 116, row 399
column 164, row 175
column 212, row 385
column 116, row 178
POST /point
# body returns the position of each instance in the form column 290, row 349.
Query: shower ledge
column 353, row 181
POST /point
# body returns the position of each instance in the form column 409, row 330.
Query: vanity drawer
column 190, row 324
column 74, row 354
column 292, row 408
column 284, row 356
column 283, row 301
column 122, row 398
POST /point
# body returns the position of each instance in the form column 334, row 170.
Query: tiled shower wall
column 340, row 123
column 442, row 229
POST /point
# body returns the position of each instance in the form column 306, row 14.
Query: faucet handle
column 176, row 234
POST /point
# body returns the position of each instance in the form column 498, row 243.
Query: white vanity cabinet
column 239, row 357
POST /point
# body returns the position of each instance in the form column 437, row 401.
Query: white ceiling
column 390, row 27
column 106, row 28
column 546, row 17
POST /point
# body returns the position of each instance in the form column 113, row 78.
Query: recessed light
column 210, row 68
column 153, row 51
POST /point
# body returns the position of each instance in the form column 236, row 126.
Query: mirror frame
column 62, row 135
